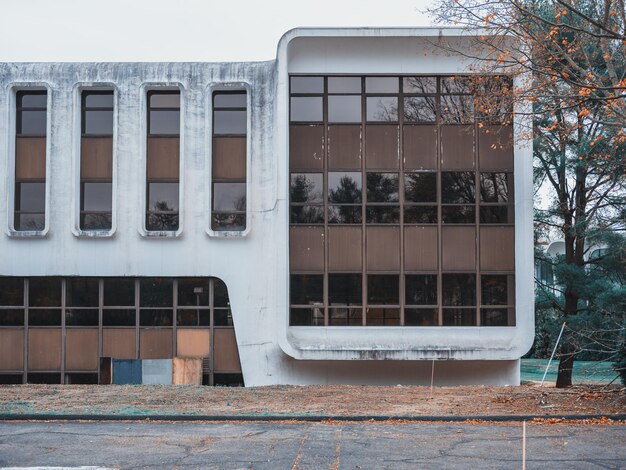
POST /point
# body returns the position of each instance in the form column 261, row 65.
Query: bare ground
column 325, row 400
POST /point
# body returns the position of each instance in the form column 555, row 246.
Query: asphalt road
column 309, row 445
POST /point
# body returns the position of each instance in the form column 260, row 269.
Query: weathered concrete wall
column 254, row 265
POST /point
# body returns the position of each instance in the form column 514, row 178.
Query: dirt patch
column 324, row 400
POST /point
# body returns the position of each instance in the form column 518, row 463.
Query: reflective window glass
column 306, row 289
column 381, row 84
column 459, row 317
column 307, row 84
column 31, row 197
column 155, row 292
column 421, row 317
column 164, row 99
column 457, row 84
column 420, row 187
column 32, row 99
column 382, row 109
column 344, row 84
column 98, row 100
column 153, row 317
column 31, row 122
column 383, row 289
column 220, row 294
column 458, row 187
column 307, row 214
column 306, row 109
column 382, row 215
column 230, row 100
column 457, row 109
column 82, row 292
column 420, row 214
column 118, row 317
column 193, row 292
column 11, row 291
column 44, row 317
column 421, row 289
column 422, row 85
column 420, row 109
column 344, row 289
column 307, row 187
column 343, row 214
column 82, row 317
column 229, row 197
column 164, row 122
column 163, row 196
column 458, row 214
column 494, row 187
column 230, row 122
column 459, row 289
column 306, row 316
column 344, row 187
column 344, row 108
column 382, row 187
column 97, row 197
column 119, row 291
column 44, row 292
column 345, row 316
column 98, row 122
column 12, row 317
column 494, row 289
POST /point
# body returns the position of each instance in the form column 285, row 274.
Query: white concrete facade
column 254, row 264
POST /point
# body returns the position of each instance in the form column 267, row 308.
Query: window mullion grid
column 325, row 287
column 439, row 206
column 401, row 195
column 476, row 215
column 363, row 204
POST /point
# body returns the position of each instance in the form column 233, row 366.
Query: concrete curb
column 308, row 418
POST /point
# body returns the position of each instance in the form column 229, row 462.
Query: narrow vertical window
column 163, row 157
column 30, row 160
column 96, row 160
column 230, row 124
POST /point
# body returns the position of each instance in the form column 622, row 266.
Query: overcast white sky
column 178, row 30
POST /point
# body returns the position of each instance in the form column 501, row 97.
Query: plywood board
column 187, row 371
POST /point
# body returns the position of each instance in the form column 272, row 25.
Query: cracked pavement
column 334, row 446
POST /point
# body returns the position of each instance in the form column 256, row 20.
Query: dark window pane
column 494, row 289
column 32, row 99
column 31, row 197
column 383, row 317
column 344, row 289
column 223, row 317
column 381, row 84
column 165, row 122
column 345, row 317
column 344, row 188
column 494, row 187
column 193, row 317
column 161, row 222
column 383, row 214
column 457, row 84
column 344, row 84
column 163, row 197
column 111, row 317
column 44, row 292
column 382, row 109
column 81, row 317
column 307, row 215
column 307, row 84
column 97, row 197
column 12, row 317
column 344, row 108
column 420, row 214
column 95, row 221
column 43, row 378
column 383, row 289
column 420, row 109
column 306, row 317
column 44, row 317
column 306, row 187
column 421, row 85
column 31, row 122
column 306, row 289
column 98, row 122
column 344, row 215
column 420, row 187
column 155, row 292
column 229, row 197
column 459, row 317
column 494, row 317
column 421, row 289
column 11, row 291
column 382, row 187
column 30, row 222
column 82, row 292
column 165, row 100
column 230, row 100
column 98, row 100
column 119, row 291
column 495, row 215
column 458, row 187
column 230, row 222
column 421, row 317
column 81, row 379
column 220, row 294
column 153, row 317
column 10, row 379
column 459, row 289
column 230, row 122
column 458, row 214
column 457, row 109
column 193, row 292
column 306, row 109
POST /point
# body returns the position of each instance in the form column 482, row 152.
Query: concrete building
column 341, row 214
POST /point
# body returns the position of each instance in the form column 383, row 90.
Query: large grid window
column 30, row 160
column 401, row 202
column 163, row 157
column 230, row 127
column 96, row 160
column 54, row 328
